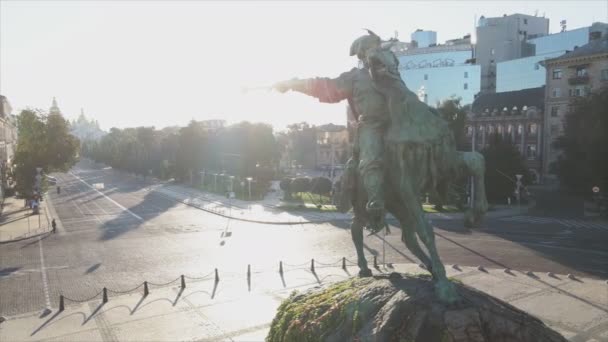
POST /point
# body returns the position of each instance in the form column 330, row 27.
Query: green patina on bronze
column 402, row 149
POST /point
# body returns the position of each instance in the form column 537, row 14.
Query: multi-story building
column 8, row 140
column 505, row 38
column 516, row 115
column 438, row 72
column 575, row 73
column 528, row 72
column 332, row 145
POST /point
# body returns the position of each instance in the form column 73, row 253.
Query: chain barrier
column 328, row 264
column 200, row 278
column 83, row 300
column 297, row 265
column 164, row 284
column 126, row 291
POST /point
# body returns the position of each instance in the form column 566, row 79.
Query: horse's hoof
column 365, row 273
column 446, row 291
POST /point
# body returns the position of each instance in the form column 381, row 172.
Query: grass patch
column 430, row 208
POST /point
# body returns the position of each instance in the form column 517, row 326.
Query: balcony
column 575, row 80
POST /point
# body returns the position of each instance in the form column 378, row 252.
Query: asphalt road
column 124, row 233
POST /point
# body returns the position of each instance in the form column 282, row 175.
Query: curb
column 277, row 223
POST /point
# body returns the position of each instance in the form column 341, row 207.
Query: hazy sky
column 161, row 63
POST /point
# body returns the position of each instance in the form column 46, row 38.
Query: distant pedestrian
column 54, row 225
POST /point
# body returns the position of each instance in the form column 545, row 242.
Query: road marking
column 109, row 199
column 45, row 283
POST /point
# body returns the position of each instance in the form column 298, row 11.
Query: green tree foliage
column 320, row 186
column 584, row 145
column 455, row 114
column 503, row 162
column 300, row 184
column 243, row 150
column 304, row 137
column 43, row 141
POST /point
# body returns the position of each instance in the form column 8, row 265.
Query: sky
column 160, row 63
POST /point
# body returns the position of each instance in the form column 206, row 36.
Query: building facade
column 332, row 146
column 502, row 39
column 573, row 74
column 515, row 115
column 8, row 140
column 528, row 72
column 439, row 72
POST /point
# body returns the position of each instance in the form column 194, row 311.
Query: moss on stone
column 314, row 316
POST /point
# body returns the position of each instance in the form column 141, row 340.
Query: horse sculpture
column 424, row 161
column 419, row 155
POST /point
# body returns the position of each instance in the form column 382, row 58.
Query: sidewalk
column 227, row 310
column 18, row 223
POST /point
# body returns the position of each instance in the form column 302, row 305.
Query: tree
column 584, row 145
column 300, row 184
column 455, row 114
column 503, row 162
column 320, row 186
column 45, row 142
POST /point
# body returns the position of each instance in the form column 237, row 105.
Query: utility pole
column 473, row 178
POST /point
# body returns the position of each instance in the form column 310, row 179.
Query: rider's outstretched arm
column 329, row 90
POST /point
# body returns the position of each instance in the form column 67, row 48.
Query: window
column 466, row 74
column 554, row 111
column 554, row 129
column 531, row 151
column 499, row 129
column 510, row 129
column 520, row 129
column 579, row 91
column 525, row 21
column 492, row 52
column 466, row 86
column 557, row 74
column 490, row 129
column 469, row 131
column 605, row 75
column 426, row 77
column 532, row 128
column 556, row 92
column 581, row 71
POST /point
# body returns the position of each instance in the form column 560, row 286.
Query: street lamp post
column 249, row 179
column 518, row 189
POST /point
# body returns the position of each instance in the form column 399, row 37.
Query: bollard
column 312, row 265
column 571, row 276
column 61, row 303
column 217, row 277
column 375, row 261
column 343, row 263
column 146, row 291
column 507, row 270
column 183, row 282
column 105, row 295
column 280, row 267
column 530, row 274
column 481, row 269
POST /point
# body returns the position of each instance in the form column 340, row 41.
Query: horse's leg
column 408, row 231
column 444, row 288
column 473, row 165
column 356, row 231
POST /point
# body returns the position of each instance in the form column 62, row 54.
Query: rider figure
column 370, row 110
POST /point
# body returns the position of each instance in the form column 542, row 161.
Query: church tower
column 54, row 108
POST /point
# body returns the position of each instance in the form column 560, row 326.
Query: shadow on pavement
column 125, row 222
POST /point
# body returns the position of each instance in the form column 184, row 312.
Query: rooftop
column 533, row 97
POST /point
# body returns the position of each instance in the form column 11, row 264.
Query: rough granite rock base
column 399, row 307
